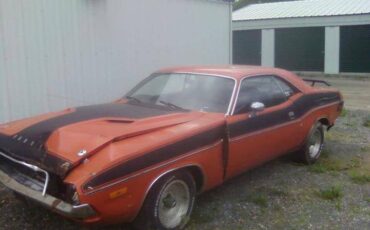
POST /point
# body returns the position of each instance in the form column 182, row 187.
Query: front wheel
column 311, row 150
column 169, row 203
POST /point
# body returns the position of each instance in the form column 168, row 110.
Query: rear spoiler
column 314, row 81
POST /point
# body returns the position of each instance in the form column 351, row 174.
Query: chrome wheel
column 174, row 204
column 169, row 202
column 310, row 151
column 315, row 144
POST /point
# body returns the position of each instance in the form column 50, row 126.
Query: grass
column 365, row 149
column 332, row 193
column 338, row 205
column 327, row 165
column 339, row 136
column 367, row 122
column 201, row 217
column 325, row 153
column 351, row 123
column 261, row 194
column 355, row 162
column 318, row 168
column 322, row 165
column 278, row 192
column 359, row 178
column 367, row 199
column 344, row 112
column 259, row 199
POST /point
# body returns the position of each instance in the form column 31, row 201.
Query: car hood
column 62, row 142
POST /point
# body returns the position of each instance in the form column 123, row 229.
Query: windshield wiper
column 133, row 99
column 170, row 105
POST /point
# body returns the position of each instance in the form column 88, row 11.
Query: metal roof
column 304, row 8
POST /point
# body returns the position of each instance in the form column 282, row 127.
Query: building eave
column 343, row 20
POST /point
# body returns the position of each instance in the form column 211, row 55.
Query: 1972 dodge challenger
column 179, row 132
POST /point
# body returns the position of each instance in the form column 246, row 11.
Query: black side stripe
column 299, row 107
column 157, row 156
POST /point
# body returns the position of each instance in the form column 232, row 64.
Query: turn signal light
column 118, row 193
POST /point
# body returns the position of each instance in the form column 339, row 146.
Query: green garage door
column 300, row 48
column 355, row 49
column 247, row 47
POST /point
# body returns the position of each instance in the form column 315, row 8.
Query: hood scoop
column 94, row 135
column 116, row 120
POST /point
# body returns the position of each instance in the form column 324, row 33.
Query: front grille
column 32, row 179
column 22, row 174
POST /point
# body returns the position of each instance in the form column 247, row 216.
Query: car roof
column 235, row 71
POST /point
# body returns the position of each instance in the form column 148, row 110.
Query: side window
column 264, row 89
column 287, row 90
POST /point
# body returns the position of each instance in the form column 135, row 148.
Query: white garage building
column 55, row 54
column 330, row 36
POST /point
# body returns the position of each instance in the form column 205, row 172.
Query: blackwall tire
column 169, row 203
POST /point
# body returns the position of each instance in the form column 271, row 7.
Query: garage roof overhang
column 303, row 13
column 342, row 20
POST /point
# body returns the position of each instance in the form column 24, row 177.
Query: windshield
column 185, row 91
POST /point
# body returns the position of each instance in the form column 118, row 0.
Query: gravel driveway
column 332, row 194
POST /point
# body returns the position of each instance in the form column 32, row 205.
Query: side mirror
column 257, row 106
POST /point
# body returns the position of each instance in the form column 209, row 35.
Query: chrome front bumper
column 82, row 211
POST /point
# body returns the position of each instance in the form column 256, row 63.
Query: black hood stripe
column 33, row 150
column 41, row 131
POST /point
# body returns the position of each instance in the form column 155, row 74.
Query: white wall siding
column 55, row 54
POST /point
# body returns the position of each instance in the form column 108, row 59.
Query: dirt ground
column 332, row 194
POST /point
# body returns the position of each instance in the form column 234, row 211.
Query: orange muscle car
column 179, row 132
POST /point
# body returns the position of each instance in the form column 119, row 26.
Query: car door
column 261, row 134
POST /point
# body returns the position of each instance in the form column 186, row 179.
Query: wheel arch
column 326, row 122
column 195, row 170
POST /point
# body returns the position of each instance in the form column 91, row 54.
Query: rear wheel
column 311, row 150
column 169, row 203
